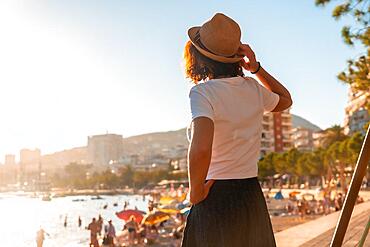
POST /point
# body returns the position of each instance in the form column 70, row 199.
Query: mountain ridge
column 298, row 121
column 157, row 141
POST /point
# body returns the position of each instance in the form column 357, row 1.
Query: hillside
column 298, row 121
column 156, row 142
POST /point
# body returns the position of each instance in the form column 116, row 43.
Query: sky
column 73, row 68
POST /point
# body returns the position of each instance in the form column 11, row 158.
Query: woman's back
column 229, row 208
column 236, row 106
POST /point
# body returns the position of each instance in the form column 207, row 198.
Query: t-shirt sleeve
column 269, row 99
column 200, row 106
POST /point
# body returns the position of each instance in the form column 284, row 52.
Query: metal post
column 354, row 188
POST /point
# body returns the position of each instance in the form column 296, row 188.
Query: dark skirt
column 234, row 214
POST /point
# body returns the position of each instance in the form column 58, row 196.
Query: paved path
column 319, row 232
column 353, row 235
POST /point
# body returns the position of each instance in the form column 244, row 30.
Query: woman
column 110, row 233
column 227, row 109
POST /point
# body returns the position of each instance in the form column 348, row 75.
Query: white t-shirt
column 236, row 106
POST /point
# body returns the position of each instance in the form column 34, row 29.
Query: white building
column 302, row 138
column 104, row 149
column 9, row 159
column 356, row 114
column 267, row 140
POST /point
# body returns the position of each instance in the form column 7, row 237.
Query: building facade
column 356, row 114
column 104, row 149
column 267, row 138
column 276, row 132
column 282, row 131
column 27, row 156
column 9, row 159
column 29, row 165
column 318, row 138
column 302, row 138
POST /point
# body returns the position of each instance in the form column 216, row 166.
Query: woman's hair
column 199, row 67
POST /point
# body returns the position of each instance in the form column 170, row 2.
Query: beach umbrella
column 126, row 214
column 155, row 217
column 169, row 209
column 278, row 196
column 166, row 200
column 294, row 193
column 308, row 196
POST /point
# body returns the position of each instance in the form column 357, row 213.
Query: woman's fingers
column 240, row 52
column 246, row 50
column 209, row 183
column 245, row 64
column 207, row 187
column 196, row 198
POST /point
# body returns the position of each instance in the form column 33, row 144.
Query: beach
column 21, row 223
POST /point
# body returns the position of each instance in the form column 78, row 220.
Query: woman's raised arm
column 267, row 80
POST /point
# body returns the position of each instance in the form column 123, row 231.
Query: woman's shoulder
column 250, row 79
column 253, row 82
column 201, row 88
column 219, row 85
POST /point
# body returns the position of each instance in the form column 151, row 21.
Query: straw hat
column 217, row 39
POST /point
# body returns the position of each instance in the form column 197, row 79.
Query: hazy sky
column 69, row 69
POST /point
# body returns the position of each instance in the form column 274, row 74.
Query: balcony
column 286, row 123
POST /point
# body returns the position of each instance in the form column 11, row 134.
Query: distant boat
column 96, row 198
column 78, row 200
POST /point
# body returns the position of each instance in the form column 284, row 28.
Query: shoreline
column 65, row 193
column 58, row 192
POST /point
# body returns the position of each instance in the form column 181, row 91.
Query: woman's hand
column 199, row 194
column 285, row 100
column 246, row 51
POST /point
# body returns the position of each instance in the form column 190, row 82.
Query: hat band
column 200, row 44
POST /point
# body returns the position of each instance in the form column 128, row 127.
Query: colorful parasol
column 166, row 200
column 169, row 210
column 126, row 214
column 294, row 193
column 308, row 196
column 155, row 217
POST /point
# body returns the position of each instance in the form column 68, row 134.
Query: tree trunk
column 343, row 183
column 307, row 183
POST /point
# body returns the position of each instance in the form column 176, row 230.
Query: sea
column 22, row 216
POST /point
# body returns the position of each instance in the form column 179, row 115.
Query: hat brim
column 192, row 32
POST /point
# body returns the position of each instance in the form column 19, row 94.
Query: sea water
column 22, row 216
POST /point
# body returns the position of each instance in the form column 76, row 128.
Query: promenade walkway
column 353, row 235
column 320, row 231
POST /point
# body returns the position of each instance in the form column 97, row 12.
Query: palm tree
column 332, row 134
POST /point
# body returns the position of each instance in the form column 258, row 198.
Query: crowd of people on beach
column 304, row 204
column 167, row 223
column 136, row 232
column 169, row 208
